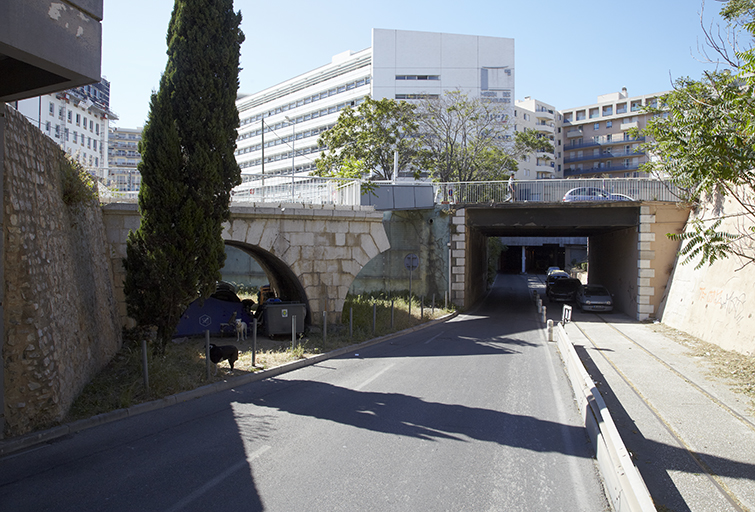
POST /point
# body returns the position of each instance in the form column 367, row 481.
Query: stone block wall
column 60, row 317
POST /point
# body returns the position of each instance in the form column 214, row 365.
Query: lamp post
column 293, row 156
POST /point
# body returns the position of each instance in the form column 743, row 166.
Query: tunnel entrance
column 250, row 267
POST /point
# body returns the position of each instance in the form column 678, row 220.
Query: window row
column 284, row 140
column 309, row 99
column 417, row 77
column 282, row 156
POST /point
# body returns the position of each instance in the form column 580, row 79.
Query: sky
column 566, row 53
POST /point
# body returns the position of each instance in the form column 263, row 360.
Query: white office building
column 531, row 114
column 280, row 125
column 77, row 119
column 124, row 156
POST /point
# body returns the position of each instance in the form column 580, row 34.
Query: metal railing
column 553, row 190
column 300, row 189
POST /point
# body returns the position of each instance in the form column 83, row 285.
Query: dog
column 241, row 330
column 217, row 354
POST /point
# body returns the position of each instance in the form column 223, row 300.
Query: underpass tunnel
column 251, row 266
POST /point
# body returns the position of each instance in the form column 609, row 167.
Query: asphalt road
column 472, row 414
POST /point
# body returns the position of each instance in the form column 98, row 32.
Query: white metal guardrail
column 553, row 191
column 299, row 189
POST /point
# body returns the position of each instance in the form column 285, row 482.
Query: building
column 78, row 119
column 595, row 141
column 123, row 157
column 279, row 126
column 531, row 114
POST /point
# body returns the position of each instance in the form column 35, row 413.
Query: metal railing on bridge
column 299, row 189
column 553, row 191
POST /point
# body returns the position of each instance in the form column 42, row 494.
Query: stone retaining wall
column 60, row 317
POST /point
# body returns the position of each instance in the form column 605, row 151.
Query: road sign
column 411, row 262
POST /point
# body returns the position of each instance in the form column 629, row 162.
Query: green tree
column 188, row 168
column 364, row 140
column 702, row 137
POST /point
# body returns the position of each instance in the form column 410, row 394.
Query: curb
column 23, row 442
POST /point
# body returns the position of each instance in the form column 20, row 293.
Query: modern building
column 595, row 141
column 78, row 119
column 123, row 157
column 280, row 125
column 531, row 114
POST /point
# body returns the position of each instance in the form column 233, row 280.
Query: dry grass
column 183, row 367
column 738, row 370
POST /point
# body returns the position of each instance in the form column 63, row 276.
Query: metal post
column 254, row 343
column 262, row 147
column 422, row 308
column 293, row 156
column 207, row 351
column 324, row 326
column 391, row 313
column 145, row 368
column 374, row 317
column 449, row 271
column 411, row 272
column 433, row 310
column 293, row 331
column 351, row 323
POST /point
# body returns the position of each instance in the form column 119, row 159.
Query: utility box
column 277, row 317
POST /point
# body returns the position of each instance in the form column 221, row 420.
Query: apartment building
column 123, row 156
column 279, row 126
column 77, row 119
column 595, row 141
column 531, row 114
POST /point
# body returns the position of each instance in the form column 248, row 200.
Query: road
column 471, row 414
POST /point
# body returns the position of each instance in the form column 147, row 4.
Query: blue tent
column 209, row 316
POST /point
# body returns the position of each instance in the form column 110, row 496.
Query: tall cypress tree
column 188, row 167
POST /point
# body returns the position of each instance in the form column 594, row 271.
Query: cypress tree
column 188, row 168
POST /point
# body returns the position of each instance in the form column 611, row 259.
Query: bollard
column 534, row 294
column 539, row 305
column 293, row 331
column 207, row 351
column 254, row 343
column 544, row 318
column 324, row 326
column 550, row 330
column 146, row 368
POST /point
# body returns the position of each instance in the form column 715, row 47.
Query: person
column 511, row 188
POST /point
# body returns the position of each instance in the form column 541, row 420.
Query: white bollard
column 550, row 330
column 544, row 318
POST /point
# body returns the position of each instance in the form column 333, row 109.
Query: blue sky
column 567, row 53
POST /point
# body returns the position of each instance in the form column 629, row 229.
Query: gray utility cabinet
column 277, row 317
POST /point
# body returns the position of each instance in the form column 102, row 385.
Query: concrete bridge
column 310, row 253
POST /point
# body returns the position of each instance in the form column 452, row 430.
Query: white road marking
column 215, row 481
column 378, row 374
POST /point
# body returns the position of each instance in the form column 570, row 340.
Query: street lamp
column 293, row 156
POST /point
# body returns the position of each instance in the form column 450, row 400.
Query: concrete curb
column 19, row 443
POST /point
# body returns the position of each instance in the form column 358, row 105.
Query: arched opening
column 284, row 283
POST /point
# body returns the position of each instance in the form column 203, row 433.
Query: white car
column 593, row 194
column 594, row 297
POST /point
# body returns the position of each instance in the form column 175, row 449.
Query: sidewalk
column 691, row 437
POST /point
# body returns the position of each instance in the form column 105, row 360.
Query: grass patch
column 183, row 367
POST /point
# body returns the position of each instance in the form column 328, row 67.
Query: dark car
column 594, row 297
column 563, row 290
column 593, row 194
column 554, row 276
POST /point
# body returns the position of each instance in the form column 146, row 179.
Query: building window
column 52, row 108
column 609, row 124
column 75, row 136
column 78, row 119
column 70, row 116
column 597, row 126
column 608, row 110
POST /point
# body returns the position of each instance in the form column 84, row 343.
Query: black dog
column 228, row 352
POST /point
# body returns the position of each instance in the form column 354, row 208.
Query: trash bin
column 276, row 317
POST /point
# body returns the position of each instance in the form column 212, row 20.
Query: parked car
column 552, row 277
column 563, row 290
column 594, row 297
column 551, row 270
column 593, row 194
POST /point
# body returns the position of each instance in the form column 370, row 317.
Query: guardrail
column 299, row 189
column 553, row 191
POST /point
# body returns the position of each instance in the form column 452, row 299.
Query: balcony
column 545, row 115
column 628, row 126
column 575, row 133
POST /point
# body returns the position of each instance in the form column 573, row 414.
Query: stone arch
column 282, row 279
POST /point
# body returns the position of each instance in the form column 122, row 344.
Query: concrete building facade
column 78, row 120
column 594, row 139
column 280, row 125
column 123, row 157
column 532, row 114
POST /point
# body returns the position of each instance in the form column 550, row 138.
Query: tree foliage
column 702, row 137
column 188, row 168
column 363, row 142
column 467, row 139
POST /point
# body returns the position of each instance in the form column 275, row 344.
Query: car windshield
column 595, row 290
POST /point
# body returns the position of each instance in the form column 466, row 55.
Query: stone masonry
column 60, row 317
